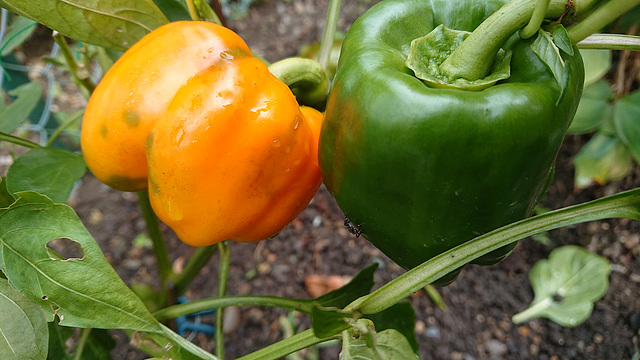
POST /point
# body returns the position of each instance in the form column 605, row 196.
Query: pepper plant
column 439, row 137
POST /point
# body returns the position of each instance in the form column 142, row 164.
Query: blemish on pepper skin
column 104, row 130
column 131, row 118
column 149, row 141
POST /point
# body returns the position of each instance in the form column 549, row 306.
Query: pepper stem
column 306, row 78
column 472, row 60
column 599, row 18
column 536, row 19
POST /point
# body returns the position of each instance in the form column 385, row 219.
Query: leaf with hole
column 49, row 171
column 114, row 24
column 82, row 292
column 23, row 326
column 566, row 285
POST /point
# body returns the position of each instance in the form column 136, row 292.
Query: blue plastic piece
column 192, row 323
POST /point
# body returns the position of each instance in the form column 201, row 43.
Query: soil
column 476, row 323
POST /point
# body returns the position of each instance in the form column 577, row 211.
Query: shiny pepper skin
column 221, row 143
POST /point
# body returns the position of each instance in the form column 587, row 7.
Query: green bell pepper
column 419, row 170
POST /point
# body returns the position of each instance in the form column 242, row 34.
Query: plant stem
column 82, row 77
column 82, row 341
column 611, row 42
column 223, row 278
column 622, row 205
column 532, row 311
column 159, row 245
column 305, row 77
column 287, row 346
column 329, row 33
column 537, row 17
column 205, row 12
column 302, row 305
column 600, row 17
column 192, row 10
column 474, row 57
column 17, row 140
column 197, row 261
column 63, row 126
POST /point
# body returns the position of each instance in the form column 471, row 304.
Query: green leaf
column 359, row 286
column 597, row 63
column 114, row 24
column 27, row 97
column 327, row 317
column 560, row 37
column 49, row 171
column 58, row 337
column 168, row 345
column 566, row 285
column 23, row 326
column 98, row 345
column 594, row 109
column 384, row 345
column 328, row 321
column 82, row 292
column 547, row 51
column 601, row 160
column 627, row 121
column 5, row 197
column 400, row 317
column 175, row 10
column 19, row 31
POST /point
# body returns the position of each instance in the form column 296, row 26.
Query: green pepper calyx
column 430, row 51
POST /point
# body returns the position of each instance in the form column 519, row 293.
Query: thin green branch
column 73, row 118
column 622, row 205
column 599, row 18
column 205, row 12
column 82, row 341
column 329, row 34
column 287, row 346
column 17, row 140
column 165, row 270
column 197, row 261
column 223, row 278
column 611, row 42
column 192, row 10
column 537, row 17
column 80, row 74
column 302, row 305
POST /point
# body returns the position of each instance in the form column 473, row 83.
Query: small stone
column 433, row 332
column 598, row 338
column 231, row 319
column 524, row 330
column 496, row 348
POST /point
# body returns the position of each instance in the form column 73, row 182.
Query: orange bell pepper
column 225, row 148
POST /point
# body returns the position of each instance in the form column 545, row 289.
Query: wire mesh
column 38, row 127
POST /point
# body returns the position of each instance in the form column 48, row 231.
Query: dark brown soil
column 477, row 322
